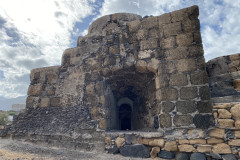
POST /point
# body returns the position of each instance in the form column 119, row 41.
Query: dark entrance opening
column 125, row 113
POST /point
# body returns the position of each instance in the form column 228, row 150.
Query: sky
column 34, row 33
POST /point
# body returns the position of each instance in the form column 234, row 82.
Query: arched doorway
column 125, row 114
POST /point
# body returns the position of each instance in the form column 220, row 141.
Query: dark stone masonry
column 139, row 87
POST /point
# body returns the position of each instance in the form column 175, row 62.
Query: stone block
column 55, row 102
column 165, row 94
column 165, row 120
column 217, row 133
column 186, row 148
column 154, row 152
column 188, row 93
column 234, row 142
column 197, row 39
column 167, row 43
column 172, row 29
column 222, row 106
column 90, row 89
column 182, row 156
column 223, row 113
column 237, row 124
column 166, row 154
column 195, row 133
column 214, row 140
column 179, row 15
column 141, row 34
column 136, row 150
column 184, row 40
column 144, row 54
column 133, row 26
column 229, row 157
column 171, row 146
column 237, row 134
column 198, row 156
column 153, row 33
column 52, row 78
column 45, row 102
column 236, row 84
column 199, row 77
column 149, row 44
column 119, row 142
column 95, row 114
column 183, row 141
column 204, row 148
column 109, row 61
column 150, row 22
column 215, row 115
column 178, row 79
column 182, row 120
column 144, row 141
column 176, row 53
column 34, row 90
column 156, row 142
column 226, row 123
column 170, row 67
column 197, row 141
column 102, row 124
column 204, row 107
column 235, row 110
column 191, row 25
column 204, row 93
column 114, row 49
column 164, row 19
column 203, row 121
column 193, row 12
column 185, row 107
column 161, row 81
column 153, row 65
column 141, row 66
column 167, row 107
column 221, row 148
column 185, row 65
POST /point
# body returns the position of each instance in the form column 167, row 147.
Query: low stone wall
column 219, row 142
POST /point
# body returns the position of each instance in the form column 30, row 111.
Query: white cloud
column 35, row 34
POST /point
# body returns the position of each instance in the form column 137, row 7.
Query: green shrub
column 3, row 118
column 11, row 113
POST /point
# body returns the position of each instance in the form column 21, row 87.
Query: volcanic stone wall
column 224, row 76
column 153, row 64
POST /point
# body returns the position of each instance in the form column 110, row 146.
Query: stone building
column 133, row 82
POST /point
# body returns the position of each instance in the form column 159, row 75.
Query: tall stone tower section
column 127, row 73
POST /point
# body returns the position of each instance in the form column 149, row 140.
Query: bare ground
column 18, row 150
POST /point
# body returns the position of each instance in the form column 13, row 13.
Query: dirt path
column 17, row 150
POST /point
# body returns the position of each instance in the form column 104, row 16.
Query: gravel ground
column 18, row 150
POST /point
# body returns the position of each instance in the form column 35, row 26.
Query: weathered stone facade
column 147, row 75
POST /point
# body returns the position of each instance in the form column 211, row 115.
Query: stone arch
column 133, row 89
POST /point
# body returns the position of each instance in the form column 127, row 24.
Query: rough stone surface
column 171, row 146
column 223, row 113
column 204, row 148
column 217, row 133
column 229, row 157
column 186, row 148
column 154, row 152
column 182, row 156
column 197, row 156
column 166, row 155
column 235, row 110
column 203, row 121
column 221, row 148
column 136, row 150
column 226, row 123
